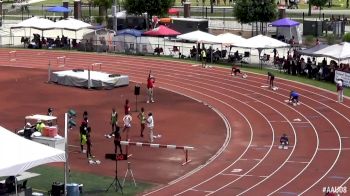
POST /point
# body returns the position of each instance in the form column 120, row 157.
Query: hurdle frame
column 151, row 145
column 11, row 54
column 59, row 59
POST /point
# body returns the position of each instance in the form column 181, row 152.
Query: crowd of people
column 295, row 64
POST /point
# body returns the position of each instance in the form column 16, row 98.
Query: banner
column 345, row 76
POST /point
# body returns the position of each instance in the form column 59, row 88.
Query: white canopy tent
column 20, row 154
column 261, row 42
column 199, row 36
column 231, row 39
column 337, row 51
column 35, row 23
column 71, row 24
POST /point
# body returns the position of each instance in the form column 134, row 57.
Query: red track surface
column 255, row 118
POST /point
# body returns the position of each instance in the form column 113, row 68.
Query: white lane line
column 302, row 162
column 242, row 175
column 201, row 191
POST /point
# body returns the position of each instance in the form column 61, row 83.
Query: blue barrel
column 73, row 189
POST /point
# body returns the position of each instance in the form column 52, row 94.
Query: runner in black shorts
column 270, row 78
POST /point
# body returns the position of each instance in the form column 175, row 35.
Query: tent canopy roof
column 229, row 38
column 262, row 42
column 162, row 31
column 35, row 23
column 311, row 51
column 59, row 9
column 284, row 22
column 20, row 154
column 337, row 51
column 71, row 24
column 199, row 36
column 132, row 32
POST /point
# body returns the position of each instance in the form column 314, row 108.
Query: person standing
column 142, row 118
column 270, row 79
column 114, row 119
column 83, row 133
column 88, row 144
column 127, row 124
column 150, row 84
column 150, row 126
column 127, row 107
column 204, row 58
column 86, row 117
column 340, row 90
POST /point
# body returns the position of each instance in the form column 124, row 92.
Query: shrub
column 330, row 39
column 346, row 37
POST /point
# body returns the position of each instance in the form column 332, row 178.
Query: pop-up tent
column 311, row 51
column 288, row 28
column 337, row 51
column 20, row 154
column 199, row 36
column 230, row 39
column 162, row 31
column 261, row 42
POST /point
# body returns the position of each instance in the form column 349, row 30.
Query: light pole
column 114, row 10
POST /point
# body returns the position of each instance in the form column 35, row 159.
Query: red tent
column 161, row 31
column 173, row 11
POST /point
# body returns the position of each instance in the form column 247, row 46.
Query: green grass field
column 93, row 185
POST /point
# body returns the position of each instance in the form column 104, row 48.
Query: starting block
column 61, row 61
column 12, row 55
column 94, row 162
column 283, row 147
column 274, row 88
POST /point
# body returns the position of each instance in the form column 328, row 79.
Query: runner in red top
column 127, row 107
column 150, row 84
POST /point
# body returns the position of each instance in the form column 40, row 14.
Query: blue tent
column 132, row 32
column 284, row 22
column 59, row 9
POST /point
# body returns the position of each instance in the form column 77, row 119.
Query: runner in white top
column 150, row 125
column 127, row 124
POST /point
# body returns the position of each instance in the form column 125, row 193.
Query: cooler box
column 73, row 189
column 49, row 131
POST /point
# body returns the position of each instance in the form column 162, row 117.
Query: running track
column 249, row 162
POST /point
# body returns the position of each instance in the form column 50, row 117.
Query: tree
column 152, row 7
column 247, row 11
column 103, row 6
column 318, row 3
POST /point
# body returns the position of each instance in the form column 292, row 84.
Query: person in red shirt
column 127, row 107
column 150, row 84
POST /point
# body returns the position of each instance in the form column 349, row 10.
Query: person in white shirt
column 150, row 126
column 127, row 124
column 340, row 90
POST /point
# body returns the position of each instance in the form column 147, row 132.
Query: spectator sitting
column 284, row 142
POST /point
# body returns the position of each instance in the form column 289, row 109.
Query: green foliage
column 330, row 39
column 346, row 37
column 99, row 19
column 152, row 7
column 309, row 40
column 104, row 3
column 243, row 11
column 247, row 11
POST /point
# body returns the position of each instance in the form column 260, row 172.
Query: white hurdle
column 61, row 61
column 12, row 55
column 96, row 64
column 139, row 144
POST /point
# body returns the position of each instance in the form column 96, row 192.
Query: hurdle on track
column 12, row 55
column 96, row 64
column 61, row 61
column 140, row 144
